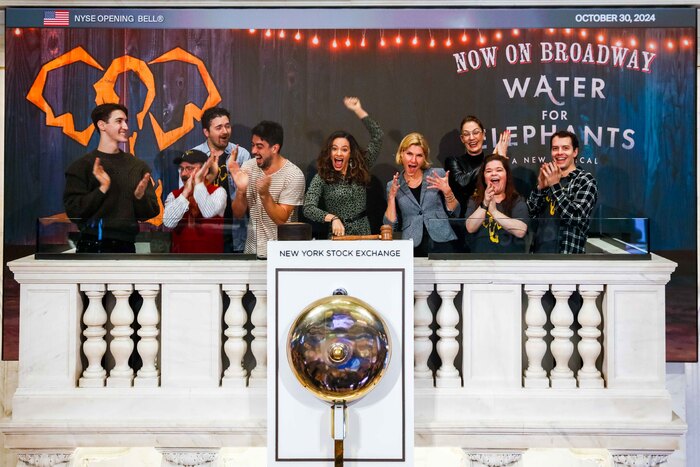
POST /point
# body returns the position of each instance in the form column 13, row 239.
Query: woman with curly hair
column 338, row 192
column 496, row 214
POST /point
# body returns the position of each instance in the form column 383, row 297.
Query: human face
column 264, row 153
column 495, row 175
column 413, row 159
column 219, row 132
column 472, row 137
column 564, row 154
column 116, row 127
column 187, row 170
column 340, row 154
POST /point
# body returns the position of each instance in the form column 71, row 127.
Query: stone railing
column 509, row 355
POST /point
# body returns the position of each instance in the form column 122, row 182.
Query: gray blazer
column 430, row 212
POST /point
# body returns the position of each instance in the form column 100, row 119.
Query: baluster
column 447, row 345
column 535, row 346
column 235, row 347
column 259, row 345
column 422, row 346
column 562, row 348
column 589, row 348
column 95, row 345
column 121, row 347
column 148, row 375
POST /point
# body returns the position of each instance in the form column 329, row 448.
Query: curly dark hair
column 357, row 172
column 511, row 194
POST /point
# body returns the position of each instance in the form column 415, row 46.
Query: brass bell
column 339, row 348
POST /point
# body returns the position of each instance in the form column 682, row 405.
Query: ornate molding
column 43, row 460
column 496, row 459
column 639, row 460
column 189, row 458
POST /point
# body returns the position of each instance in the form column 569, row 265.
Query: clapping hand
column 394, row 186
column 201, row 174
column 501, row 147
column 240, row 177
column 263, row 185
column 99, row 172
column 141, row 187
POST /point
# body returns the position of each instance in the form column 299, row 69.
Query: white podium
column 380, row 425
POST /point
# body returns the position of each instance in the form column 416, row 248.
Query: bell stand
column 338, row 429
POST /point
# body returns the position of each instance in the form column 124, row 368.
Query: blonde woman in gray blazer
column 420, row 200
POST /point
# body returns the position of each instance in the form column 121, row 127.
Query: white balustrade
column 95, row 344
column 422, row 346
column 589, row 348
column 506, row 404
column 121, row 347
column 235, row 345
column 562, row 348
column 447, row 346
column 535, row 346
column 258, row 319
column 148, row 318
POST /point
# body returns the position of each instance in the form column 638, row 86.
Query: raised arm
column 376, row 134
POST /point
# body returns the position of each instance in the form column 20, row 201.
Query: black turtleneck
column 464, row 170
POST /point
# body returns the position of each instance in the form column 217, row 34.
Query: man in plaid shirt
column 563, row 201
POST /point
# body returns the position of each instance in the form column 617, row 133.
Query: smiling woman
column 338, row 193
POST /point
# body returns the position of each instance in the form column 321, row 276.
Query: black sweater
column 464, row 171
column 110, row 215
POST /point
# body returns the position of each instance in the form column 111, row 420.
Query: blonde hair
column 414, row 139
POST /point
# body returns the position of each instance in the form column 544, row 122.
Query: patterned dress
column 346, row 200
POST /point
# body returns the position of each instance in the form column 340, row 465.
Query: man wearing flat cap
column 195, row 211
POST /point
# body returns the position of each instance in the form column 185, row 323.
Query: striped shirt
column 286, row 187
column 571, row 202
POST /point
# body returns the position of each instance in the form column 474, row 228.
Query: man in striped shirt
column 564, row 199
column 270, row 187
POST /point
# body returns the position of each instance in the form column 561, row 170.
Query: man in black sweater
column 108, row 190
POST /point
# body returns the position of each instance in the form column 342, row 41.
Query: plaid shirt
column 572, row 201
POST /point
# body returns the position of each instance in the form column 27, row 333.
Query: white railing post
column 95, row 345
column 235, row 346
column 447, row 345
column 589, row 348
column 422, row 346
column 148, row 375
column 562, row 348
column 259, row 345
column 535, row 346
column 122, row 316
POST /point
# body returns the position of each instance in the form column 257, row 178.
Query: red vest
column 195, row 234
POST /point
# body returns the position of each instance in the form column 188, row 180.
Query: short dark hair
column 564, row 134
column 212, row 113
column 271, row 132
column 103, row 111
column 471, row 118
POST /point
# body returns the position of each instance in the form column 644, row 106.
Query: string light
column 334, row 44
column 584, row 33
column 252, row 31
column 268, row 33
column 551, row 30
column 348, row 43
column 363, row 43
column 618, row 43
column 567, row 31
column 382, row 42
column 669, row 45
column 398, row 39
column 18, row 32
column 414, row 41
column 482, row 39
column 633, row 42
column 315, row 40
column 282, row 34
column 652, row 46
column 432, row 39
column 498, row 35
column 686, row 42
column 601, row 38
column 516, row 32
column 464, row 36
column 297, row 36
column 448, row 41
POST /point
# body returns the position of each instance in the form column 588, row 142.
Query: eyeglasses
column 189, row 168
column 474, row 133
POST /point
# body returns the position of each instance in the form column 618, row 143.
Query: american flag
column 56, row 18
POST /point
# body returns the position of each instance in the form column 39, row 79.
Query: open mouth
column 338, row 163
